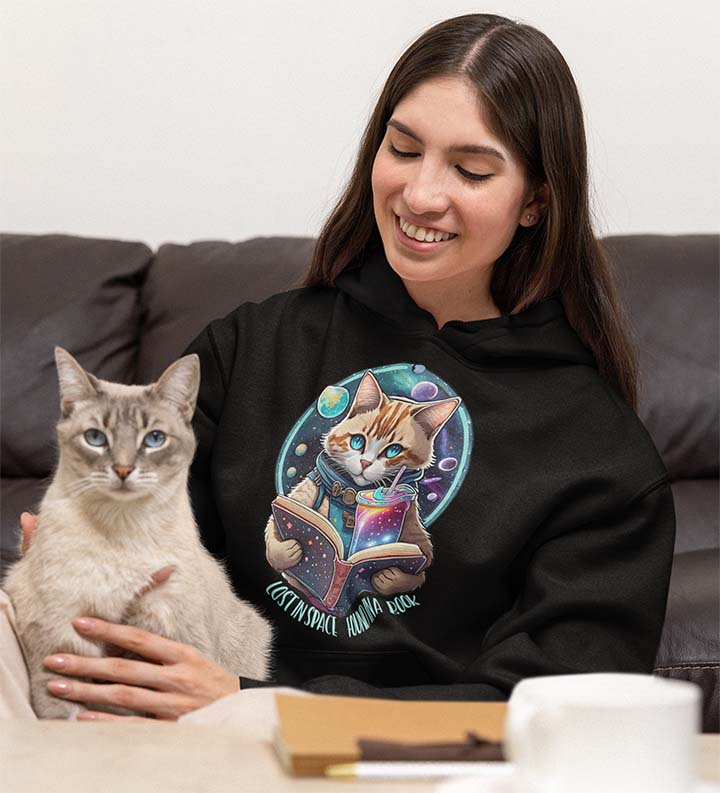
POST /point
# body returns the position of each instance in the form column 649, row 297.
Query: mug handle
column 528, row 746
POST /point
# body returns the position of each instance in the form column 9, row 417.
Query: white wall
column 212, row 119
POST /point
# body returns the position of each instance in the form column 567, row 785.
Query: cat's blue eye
column 357, row 442
column 154, row 439
column 393, row 450
column 95, row 438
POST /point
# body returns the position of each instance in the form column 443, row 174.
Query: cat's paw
column 392, row 580
column 284, row 555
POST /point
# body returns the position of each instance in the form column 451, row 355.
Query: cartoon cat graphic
column 367, row 448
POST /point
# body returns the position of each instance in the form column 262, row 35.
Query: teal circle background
column 395, row 380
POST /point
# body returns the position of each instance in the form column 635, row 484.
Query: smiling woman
column 466, row 137
column 427, row 186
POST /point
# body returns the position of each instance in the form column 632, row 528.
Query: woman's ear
column 536, row 206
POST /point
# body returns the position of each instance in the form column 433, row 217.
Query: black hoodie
column 546, row 518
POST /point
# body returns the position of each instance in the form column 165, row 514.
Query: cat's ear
column 432, row 417
column 368, row 396
column 75, row 383
column 179, row 385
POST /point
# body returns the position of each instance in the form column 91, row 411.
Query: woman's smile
column 413, row 244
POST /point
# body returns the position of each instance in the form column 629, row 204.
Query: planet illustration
column 447, row 464
column 424, row 391
column 432, row 496
column 300, row 449
column 418, row 368
column 333, row 401
column 291, row 472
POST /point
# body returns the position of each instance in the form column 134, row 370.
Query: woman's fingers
column 140, row 700
column 112, row 668
column 28, row 522
column 143, row 643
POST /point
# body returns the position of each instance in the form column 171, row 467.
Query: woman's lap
column 14, row 679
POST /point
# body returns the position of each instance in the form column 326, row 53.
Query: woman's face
column 431, row 172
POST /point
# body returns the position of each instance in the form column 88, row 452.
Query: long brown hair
column 532, row 105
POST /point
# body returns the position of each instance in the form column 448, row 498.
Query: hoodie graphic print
column 360, row 479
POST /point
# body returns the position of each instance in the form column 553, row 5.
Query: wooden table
column 72, row 757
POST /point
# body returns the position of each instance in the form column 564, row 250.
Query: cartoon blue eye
column 95, row 438
column 357, row 442
column 393, row 450
column 154, row 439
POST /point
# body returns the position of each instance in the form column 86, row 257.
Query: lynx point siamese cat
column 117, row 510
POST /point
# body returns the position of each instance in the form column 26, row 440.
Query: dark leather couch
column 127, row 312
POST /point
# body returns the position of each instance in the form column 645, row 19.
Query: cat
column 385, row 425
column 118, row 509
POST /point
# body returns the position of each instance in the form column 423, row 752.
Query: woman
column 456, row 359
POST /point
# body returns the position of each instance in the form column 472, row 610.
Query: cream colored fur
column 94, row 549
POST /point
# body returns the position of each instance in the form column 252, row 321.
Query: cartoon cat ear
column 432, row 417
column 179, row 385
column 369, row 395
column 75, row 383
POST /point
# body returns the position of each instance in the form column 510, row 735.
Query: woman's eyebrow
column 467, row 148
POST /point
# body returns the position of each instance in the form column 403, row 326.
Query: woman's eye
column 357, row 442
column 95, row 438
column 399, row 153
column 393, row 450
column 469, row 175
column 154, row 439
column 474, row 177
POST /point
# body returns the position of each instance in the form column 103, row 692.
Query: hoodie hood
column 539, row 332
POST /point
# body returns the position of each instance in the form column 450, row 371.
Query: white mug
column 603, row 733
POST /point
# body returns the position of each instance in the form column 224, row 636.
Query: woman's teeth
column 422, row 234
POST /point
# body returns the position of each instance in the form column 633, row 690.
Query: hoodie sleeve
column 591, row 599
column 205, row 422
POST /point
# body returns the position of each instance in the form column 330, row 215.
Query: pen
column 427, row 769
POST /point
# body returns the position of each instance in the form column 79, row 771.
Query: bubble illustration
column 418, row 368
column 300, row 449
column 424, row 391
column 333, row 401
column 447, row 464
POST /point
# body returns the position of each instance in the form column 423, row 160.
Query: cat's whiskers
column 82, row 485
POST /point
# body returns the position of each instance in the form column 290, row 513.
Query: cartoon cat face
column 380, row 434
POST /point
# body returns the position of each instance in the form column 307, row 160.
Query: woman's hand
column 28, row 522
column 177, row 679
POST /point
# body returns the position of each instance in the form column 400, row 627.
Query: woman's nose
column 425, row 191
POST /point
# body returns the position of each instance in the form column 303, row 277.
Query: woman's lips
column 416, row 245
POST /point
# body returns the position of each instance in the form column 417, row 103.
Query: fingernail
column 59, row 687
column 86, row 716
column 56, row 661
column 83, row 623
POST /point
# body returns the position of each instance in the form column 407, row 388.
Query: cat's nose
column 364, row 464
column 123, row 471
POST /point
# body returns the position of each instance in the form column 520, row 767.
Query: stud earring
column 530, row 217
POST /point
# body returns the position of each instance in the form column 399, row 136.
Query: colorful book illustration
column 336, row 582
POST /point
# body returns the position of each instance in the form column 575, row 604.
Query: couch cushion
column 79, row 293
column 190, row 285
column 669, row 285
column 690, row 644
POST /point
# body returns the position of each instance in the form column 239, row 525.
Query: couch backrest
column 126, row 315
column 189, row 285
column 81, row 294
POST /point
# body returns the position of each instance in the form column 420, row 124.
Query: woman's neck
column 465, row 297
